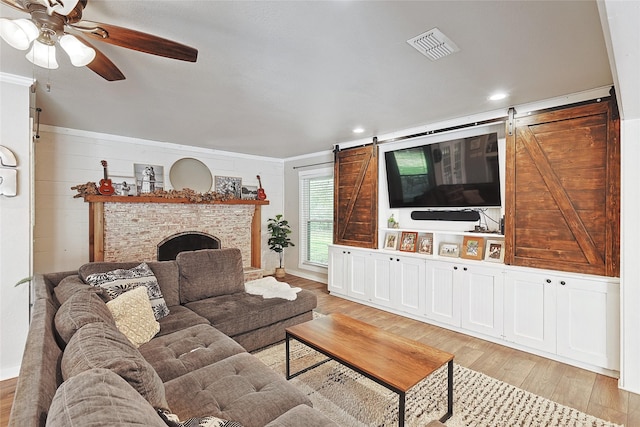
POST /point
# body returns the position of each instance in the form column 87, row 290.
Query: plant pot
column 280, row 272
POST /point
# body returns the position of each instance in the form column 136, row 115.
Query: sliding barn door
column 356, row 197
column 563, row 190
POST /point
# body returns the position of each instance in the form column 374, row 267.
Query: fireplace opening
column 170, row 247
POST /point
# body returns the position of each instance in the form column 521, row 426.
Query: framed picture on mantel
column 149, row 178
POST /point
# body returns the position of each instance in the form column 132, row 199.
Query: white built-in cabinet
column 566, row 316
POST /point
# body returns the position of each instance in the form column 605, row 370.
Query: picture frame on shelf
column 472, row 247
column 408, row 241
column 449, row 249
column 149, row 178
column 494, row 251
column 124, row 185
column 229, row 186
column 391, row 241
column 425, row 244
column 249, row 192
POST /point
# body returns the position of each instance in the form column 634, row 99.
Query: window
column 316, row 216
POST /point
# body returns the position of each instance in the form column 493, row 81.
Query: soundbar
column 445, row 215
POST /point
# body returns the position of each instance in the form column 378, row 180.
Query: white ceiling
column 287, row 78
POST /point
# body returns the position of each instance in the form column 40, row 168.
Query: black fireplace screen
column 170, row 247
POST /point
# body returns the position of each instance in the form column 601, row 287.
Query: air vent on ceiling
column 433, row 44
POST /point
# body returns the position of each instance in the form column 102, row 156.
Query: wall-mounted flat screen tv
column 460, row 173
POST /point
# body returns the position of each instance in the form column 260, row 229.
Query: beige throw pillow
column 134, row 316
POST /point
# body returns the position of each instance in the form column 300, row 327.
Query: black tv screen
column 460, row 173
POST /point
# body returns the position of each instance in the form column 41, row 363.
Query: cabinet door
column 410, row 278
column 381, row 289
column 482, row 300
column 443, row 292
column 588, row 322
column 357, row 274
column 337, row 271
column 530, row 310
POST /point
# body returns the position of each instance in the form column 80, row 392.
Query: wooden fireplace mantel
column 96, row 220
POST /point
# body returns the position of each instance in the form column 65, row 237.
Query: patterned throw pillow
column 134, row 317
column 172, row 421
column 117, row 282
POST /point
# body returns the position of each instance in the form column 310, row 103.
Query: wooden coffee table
column 392, row 361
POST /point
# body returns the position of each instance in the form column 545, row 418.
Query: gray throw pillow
column 98, row 345
column 117, row 282
column 80, row 309
column 99, row 397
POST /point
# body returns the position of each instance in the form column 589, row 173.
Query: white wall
column 622, row 35
column 65, row 158
column 15, row 225
column 292, row 167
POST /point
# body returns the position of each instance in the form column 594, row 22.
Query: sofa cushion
column 293, row 417
column 72, row 284
column 242, row 312
column 178, row 319
column 134, row 317
column 209, row 273
column 98, row 345
column 166, row 273
column 239, row 388
column 81, row 309
column 184, row 351
column 116, row 282
column 99, row 397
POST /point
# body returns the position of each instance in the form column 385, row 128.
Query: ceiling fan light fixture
column 43, row 55
column 18, row 33
column 79, row 54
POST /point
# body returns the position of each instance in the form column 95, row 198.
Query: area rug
column 351, row 399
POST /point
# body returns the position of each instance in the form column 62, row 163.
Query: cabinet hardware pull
column 465, row 269
column 563, row 283
column 548, row 280
column 455, row 268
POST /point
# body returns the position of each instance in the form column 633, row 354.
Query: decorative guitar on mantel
column 261, row 194
column 106, row 187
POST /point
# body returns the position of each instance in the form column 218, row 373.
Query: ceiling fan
column 55, row 20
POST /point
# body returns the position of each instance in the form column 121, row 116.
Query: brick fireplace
column 131, row 228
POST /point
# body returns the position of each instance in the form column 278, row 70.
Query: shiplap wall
column 65, row 158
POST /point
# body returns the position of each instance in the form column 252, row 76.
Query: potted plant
column 279, row 231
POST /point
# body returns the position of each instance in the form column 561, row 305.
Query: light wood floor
column 586, row 391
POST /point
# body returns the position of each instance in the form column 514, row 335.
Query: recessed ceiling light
column 498, row 96
column 358, row 130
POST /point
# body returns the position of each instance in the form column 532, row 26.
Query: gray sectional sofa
column 80, row 368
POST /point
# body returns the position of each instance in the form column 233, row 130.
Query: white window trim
column 302, row 175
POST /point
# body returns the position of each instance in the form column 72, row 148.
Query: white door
column 482, row 300
column 588, row 322
column 530, row 310
column 381, row 290
column 357, row 274
column 410, row 278
column 337, row 270
column 443, row 292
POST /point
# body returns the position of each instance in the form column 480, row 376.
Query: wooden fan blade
column 102, row 65
column 14, row 4
column 136, row 40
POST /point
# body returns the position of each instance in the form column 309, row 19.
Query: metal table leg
column 449, row 413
